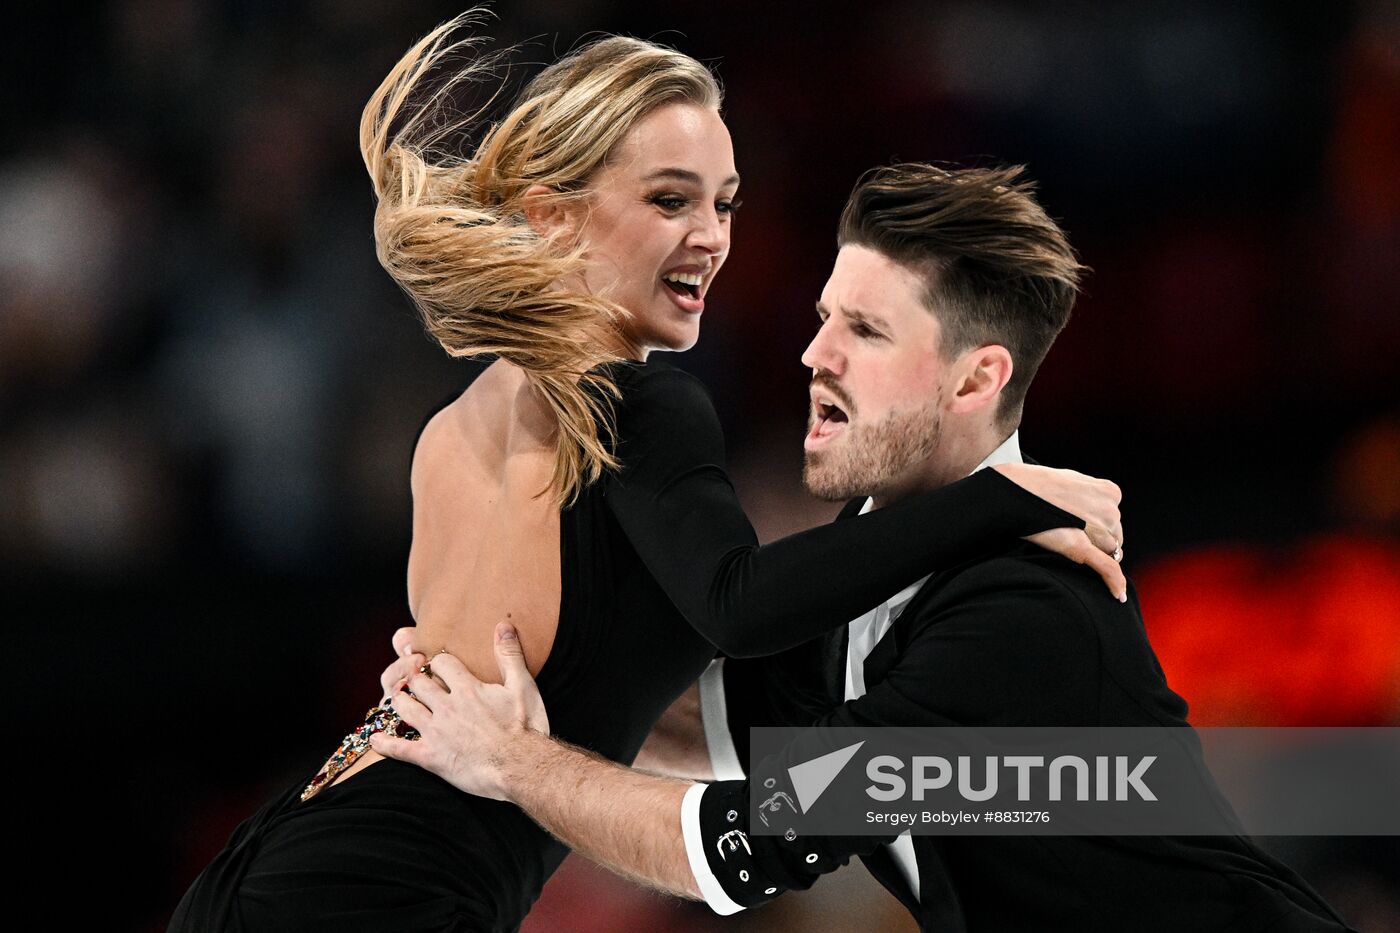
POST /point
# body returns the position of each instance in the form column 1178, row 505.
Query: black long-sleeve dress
column 659, row 566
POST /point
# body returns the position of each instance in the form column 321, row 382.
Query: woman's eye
column 670, row 202
column 729, row 207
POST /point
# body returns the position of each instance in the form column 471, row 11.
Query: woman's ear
column 544, row 211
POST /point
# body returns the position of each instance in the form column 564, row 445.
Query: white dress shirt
column 863, row 634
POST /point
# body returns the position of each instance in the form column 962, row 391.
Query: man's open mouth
column 828, row 420
column 830, row 412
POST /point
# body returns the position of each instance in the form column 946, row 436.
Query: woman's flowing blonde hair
column 450, row 228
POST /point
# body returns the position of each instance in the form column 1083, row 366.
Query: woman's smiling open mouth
column 685, row 289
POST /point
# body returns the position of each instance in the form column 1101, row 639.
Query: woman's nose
column 710, row 233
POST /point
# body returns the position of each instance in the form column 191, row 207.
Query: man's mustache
column 827, row 382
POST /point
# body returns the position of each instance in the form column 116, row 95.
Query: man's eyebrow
column 686, row 175
column 856, row 315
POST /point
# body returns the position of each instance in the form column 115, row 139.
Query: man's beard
column 873, row 455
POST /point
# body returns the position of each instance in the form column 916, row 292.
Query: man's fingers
column 403, row 641
column 427, row 690
column 451, row 672
column 391, row 746
column 395, row 674
column 510, row 656
column 413, row 712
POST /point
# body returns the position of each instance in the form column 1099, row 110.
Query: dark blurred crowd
column 209, row 391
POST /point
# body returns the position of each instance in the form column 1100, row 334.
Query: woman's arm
column 676, row 504
column 676, row 746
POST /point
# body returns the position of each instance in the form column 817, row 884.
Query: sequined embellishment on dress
column 383, row 718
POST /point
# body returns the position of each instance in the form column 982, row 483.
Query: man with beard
column 947, row 292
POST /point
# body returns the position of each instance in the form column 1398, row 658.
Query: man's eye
column 861, row 330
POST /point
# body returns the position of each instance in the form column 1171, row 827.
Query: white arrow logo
column 811, row 778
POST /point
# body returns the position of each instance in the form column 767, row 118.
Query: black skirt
column 392, row 847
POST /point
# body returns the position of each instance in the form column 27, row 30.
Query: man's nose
column 823, row 354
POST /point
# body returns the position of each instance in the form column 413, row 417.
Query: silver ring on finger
column 1118, row 554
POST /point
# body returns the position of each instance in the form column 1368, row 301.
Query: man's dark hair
column 997, row 269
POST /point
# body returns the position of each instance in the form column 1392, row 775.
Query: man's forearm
column 626, row 821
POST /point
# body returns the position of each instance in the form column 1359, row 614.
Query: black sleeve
column 784, row 689
column 674, row 501
column 989, row 650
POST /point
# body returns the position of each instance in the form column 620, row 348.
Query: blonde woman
column 577, row 487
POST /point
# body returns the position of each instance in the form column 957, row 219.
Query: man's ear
column 544, row 212
column 980, row 375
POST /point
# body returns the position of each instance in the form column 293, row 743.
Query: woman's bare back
column 485, row 541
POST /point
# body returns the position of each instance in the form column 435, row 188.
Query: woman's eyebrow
column 686, row 175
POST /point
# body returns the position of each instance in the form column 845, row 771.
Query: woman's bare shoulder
column 497, row 425
column 446, row 433
column 484, row 397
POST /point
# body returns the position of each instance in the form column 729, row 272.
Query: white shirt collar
column 1008, row 451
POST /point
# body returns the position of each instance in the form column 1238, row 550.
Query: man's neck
column 957, row 456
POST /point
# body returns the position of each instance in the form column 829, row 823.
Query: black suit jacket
column 1019, row 637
